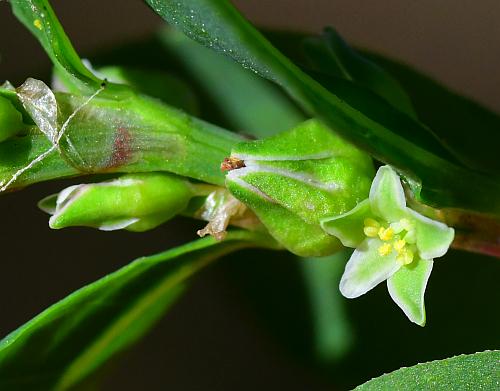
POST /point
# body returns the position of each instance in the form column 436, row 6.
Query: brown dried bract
column 231, row 163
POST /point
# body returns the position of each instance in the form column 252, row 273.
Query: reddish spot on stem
column 122, row 149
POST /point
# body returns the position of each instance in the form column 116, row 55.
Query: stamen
column 385, row 249
column 371, row 223
column 386, row 234
column 399, row 245
column 371, row 227
column 405, row 256
column 371, row 232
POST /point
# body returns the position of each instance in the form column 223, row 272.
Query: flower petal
column 387, row 197
column 433, row 238
column 367, row 268
column 407, row 288
column 348, row 227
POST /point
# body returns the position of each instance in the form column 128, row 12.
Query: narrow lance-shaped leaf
column 469, row 129
column 331, row 55
column 70, row 340
column 251, row 104
column 450, row 116
column 445, row 183
column 39, row 18
column 478, row 372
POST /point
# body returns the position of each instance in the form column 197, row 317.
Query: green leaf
column 39, row 18
column 218, row 25
column 474, row 372
column 251, row 104
column 465, row 127
column 451, row 117
column 68, row 341
column 331, row 55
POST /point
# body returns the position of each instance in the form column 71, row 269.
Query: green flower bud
column 293, row 180
column 136, row 202
column 11, row 120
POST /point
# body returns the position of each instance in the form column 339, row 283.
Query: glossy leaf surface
column 445, row 182
column 464, row 126
column 250, row 103
column 331, row 55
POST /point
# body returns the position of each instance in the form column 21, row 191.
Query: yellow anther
column 385, row 249
column 399, row 245
column 371, row 232
column 371, row 223
column 371, row 227
column 38, row 24
column 385, row 234
column 405, row 256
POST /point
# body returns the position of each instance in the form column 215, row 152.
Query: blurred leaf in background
column 67, row 342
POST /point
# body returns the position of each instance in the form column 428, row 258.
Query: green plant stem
column 474, row 232
column 132, row 134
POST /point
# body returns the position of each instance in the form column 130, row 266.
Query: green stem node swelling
column 132, row 134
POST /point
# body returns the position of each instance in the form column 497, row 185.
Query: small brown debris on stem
column 232, row 163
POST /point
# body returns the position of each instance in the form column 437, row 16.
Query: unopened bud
column 293, row 180
column 136, row 202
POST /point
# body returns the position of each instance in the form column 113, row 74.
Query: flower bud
column 293, row 180
column 136, row 202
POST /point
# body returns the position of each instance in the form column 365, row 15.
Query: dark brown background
column 211, row 340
